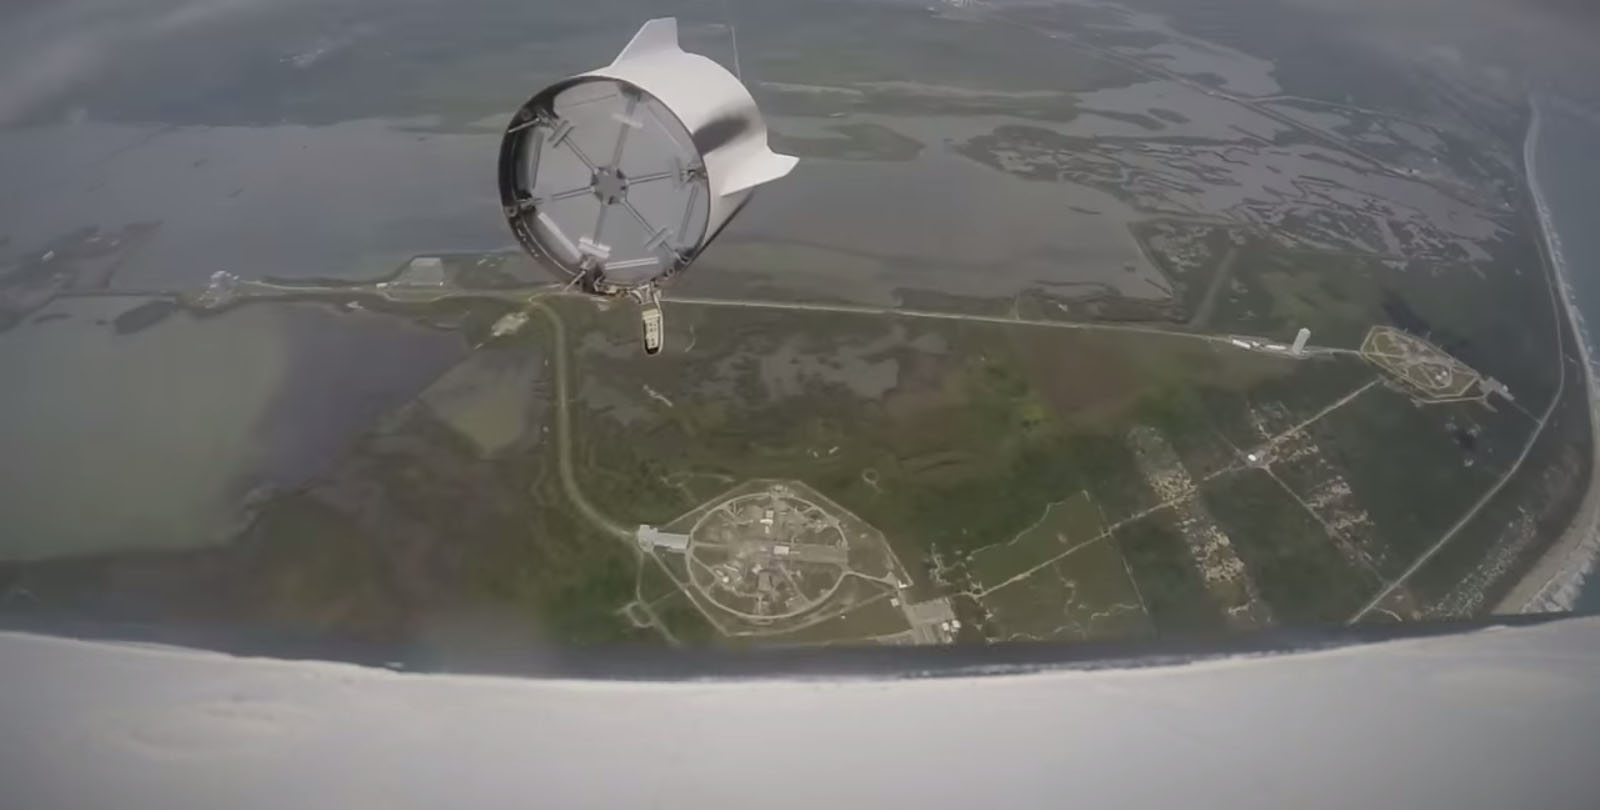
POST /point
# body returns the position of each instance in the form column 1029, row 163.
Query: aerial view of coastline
column 1074, row 322
column 1558, row 581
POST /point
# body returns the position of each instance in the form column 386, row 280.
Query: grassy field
column 951, row 438
column 1084, row 595
column 1405, row 465
column 943, row 435
column 1294, row 563
column 1063, row 525
column 1164, row 573
column 1494, row 314
column 873, row 618
column 684, row 621
column 1559, row 471
column 958, row 437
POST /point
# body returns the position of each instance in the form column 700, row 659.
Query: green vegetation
column 976, row 431
column 961, row 458
column 1296, row 566
column 1164, row 572
column 1494, row 315
column 311, row 566
column 1194, row 421
column 1033, row 609
column 1105, row 602
column 992, row 448
column 953, row 438
column 683, row 620
column 1108, row 470
column 1556, row 473
column 873, row 618
column 655, row 580
column 1063, row 525
column 581, row 606
column 852, row 142
column 1084, row 595
column 1191, row 257
column 1336, row 296
column 977, row 510
column 491, row 271
column 1404, row 464
column 455, row 530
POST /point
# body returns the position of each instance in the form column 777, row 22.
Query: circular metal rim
column 515, row 192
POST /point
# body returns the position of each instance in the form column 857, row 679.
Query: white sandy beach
column 1557, row 578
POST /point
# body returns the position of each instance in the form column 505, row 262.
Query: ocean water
column 1569, row 174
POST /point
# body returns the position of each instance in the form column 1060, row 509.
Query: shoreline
column 1556, row 579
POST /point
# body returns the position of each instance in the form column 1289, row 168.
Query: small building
column 1490, row 385
column 509, row 324
column 651, row 537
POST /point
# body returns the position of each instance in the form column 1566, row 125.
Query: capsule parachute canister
column 617, row 178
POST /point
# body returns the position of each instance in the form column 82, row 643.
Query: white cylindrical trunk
column 621, row 176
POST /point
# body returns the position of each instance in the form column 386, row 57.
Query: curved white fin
column 655, row 36
column 764, row 167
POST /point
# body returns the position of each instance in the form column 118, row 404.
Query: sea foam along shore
column 1557, row 578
